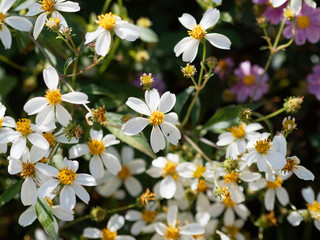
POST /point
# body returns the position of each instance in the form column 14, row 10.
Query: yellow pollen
column 263, row 146
column 289, row 14
column 28, row 169
column 1, row 122
column 202, row 186
column 107, row 21
column 232, row 231
column 50, row 138
column 231, row 177
column 276, row 184
column 23, row 126
column 67, row 176
column 289, row 124
column 49, row 201
column 197, row 32
column 199, row 171
column 108, row 235
column 303, row 22
column 147, row 196
column 96, row 147
column 2, row 16
column 228, row 202
column 47, row 5
column 314, row 210
column 291, row 165
column 146, row 80
column 171, row 233
column 188, row 70
column 124, row 173
column 53, row 23
column 249, row 80
column 169, row 168
column 53, row 96
column 156, row 117
column 148, row 216
column 238, row 132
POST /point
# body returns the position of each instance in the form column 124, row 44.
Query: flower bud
column 98, row 214
column 189, row 70
column 292, row 104
column 245, row 115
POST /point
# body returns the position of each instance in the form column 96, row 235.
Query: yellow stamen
column 156, row 117
column 148, row 216
column 303, row 22
column 2, row 16
column 147, row 196
column 232, row 231
column 107, row 21
column 53, row 96
column 124, row 173
column 108, row 235
column 231, row 177
column 238, row 132
column 47, row 5
column 49, row 201
column 28, row 169
column 197, row 32
column 53, row 23
column 249, row 80
column 170, row 169
column 1, row 122
column 202, row 186
column 263, row 146
column 291, row 165
column 276, row 184
column 228, row 202
column 96, row 147
column 314, row 210
column 67, row 176
column 146, row 80
column 50, row 138
column 171, row 233
column 23, row 126
column 199, row 171
column 188, row 70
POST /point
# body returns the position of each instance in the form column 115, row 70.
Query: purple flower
column 224, row 67
column 274, row 15
column 314, row 81
column 307, row 26
column 248, row 77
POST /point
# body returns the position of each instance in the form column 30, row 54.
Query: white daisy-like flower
column 188, row 46
column 157, row 111
column 313, row 205
column 275, row 189
column 233, row 231
column 25, row 130
column 97, row 147
column 49, row 106
column 16, row 22
column 236, row 138
column 266, row 153
column 167, row 168
column 28, row 167
column 69, row 181
column 6, row 123
column 293, row 166
column 173, row 231
column 110, row 232
column 109, row 23
column 50, row 8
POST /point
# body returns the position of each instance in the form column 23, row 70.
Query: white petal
column 192, row 229
column 85, row 179
column 216, row 209
column 303, row 173
column 251, row 157
column 91, row 232
column 160, row 228
column 280, row 144
column 78, row 150
column 14, row 166
column 172, row 215
column 63, row 214
column 172, row 118
column 167, row 101
column 115, row 222
column 63, row 116
column 34, row 9
column 171, row 132
column 253, row 127
column 277, row 3
column 181, row 45
column 152, row 99
column 51, row 78
column 168, row 187
column 75, row 98
column 28, row 192
column 276, row 159
column 8, row 122
column 6, row 5
column 18, row 147
column 242, row 211
column 191, row 50
column 27, row 217
column 127, row 154
column 133, row 186
column 80, row 192
column 133, row 215
column 91, row 36
column 137, row 227
column 225, row 139
column 269, row 199
column 219, row 40
column 47, row 169
column 308, row 194
column 103, row 43
column 155, row 172
column 38, row 26
column 294, row 218
column 96, row 167
column 156, row 139
column 94, row 134
column 282, row 196
column 35, row 105
column 19, row 23
column 5, row 37
column 135, row 125
column 210, row 18
column 262, row 162
column 248, row 176
column 38, row 140
column 109, row 187
column 9, row 136
column 187, row 21
column 46, row 116
column 67, row 197
column 110, row 140
column 137, row 166
column 228, row 217
column 111, row 162
column 47, row 188
column 126, row 31
column 67, row 6
column 138, row 105
column 70, row 164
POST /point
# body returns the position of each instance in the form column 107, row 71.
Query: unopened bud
column 73, row 130
column 230, row 165
column 292, row 104
column 245, row 115
column 142, row 56
column 262, row 21
column 98, row 214
column 211, row 62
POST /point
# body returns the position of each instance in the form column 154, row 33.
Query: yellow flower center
column 289, row 14
column 146, row 80
column 314, row 210
column 276, row 184
column 291, row 165
column 171, row 233
column 47, row 5
column 67, row 176
column 124, row 173
column 144, row 22
column 107, row 21
column 263, row 146
column 303, row 22
column 170, row 169
column 156, row 117
column 249, row 80
column 108, row 235
column 199, row 171
column 202, row 186
column 231, row 177
column 53, row 23
column 188, row 70
column 289, row 124
column 1, row 122
column 23, row 126
column 49, row 202
column 232, row 231
column 2, row 16
column 197, row 32
column 53, row 96
column 96, row 147
column 148, row 216
column 228, row 202
column 50, row 138
column 238, row 132
column 28, row 169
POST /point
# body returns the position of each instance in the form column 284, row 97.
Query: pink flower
column 314, row 81
column 274, row 15
column 307, row 26
column 248, row 77
column 224, row 67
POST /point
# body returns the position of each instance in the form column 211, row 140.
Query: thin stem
column 270, row 115
column 194, row 82
column 120, row 8
column 86, row 69
column 185, row 120
column 113, row 50
column 204, row 52
column 12, row 64
column 192, row 143
column 80, row 219
column 74, row 50
column 105, row 6
column 121, row 208
column 74, row 70
column 275, row 44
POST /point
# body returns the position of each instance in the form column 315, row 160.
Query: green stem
column 266, row 121
column 122, row 208
column 105, row 6
column 192, row 143
column 113, row 50
column 74, row 70
column 120, row 8
column 275, row 44
column 270, row 115
column 80, row 219
column 74, row 50
column 204, row 52
column 12, row 64
column 86, row 69
column 186, row 118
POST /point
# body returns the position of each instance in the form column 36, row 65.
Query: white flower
column 236, row 138
column 17, row 22
column 295, row 218
column 109, row 23
column 52, row 8
column 5, row 123
column 266, row 153
column 69, row 180
column 293, row 166
column 156, row 109
column 110, row 183
column 96, row 146
column 49, row 107
column 175, row 232
column 313, row 205
column 274, row 190
column 233, row 231
column 188, row 46
column 110, row 232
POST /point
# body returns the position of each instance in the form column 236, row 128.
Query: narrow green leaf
column 138, row 141
column 148, row 35
column 67, row 64
column 45, row 217
column 11, row 192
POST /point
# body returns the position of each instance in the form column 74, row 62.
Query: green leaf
column 9, row 82
column 195, row 112
column 45, row 217
column 138, row 141
column 182, row 98
column 11, row 192
column 67, row 64
column 148, row 35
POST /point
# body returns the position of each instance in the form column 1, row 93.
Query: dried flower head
column 292, row 104
column 99, row 115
